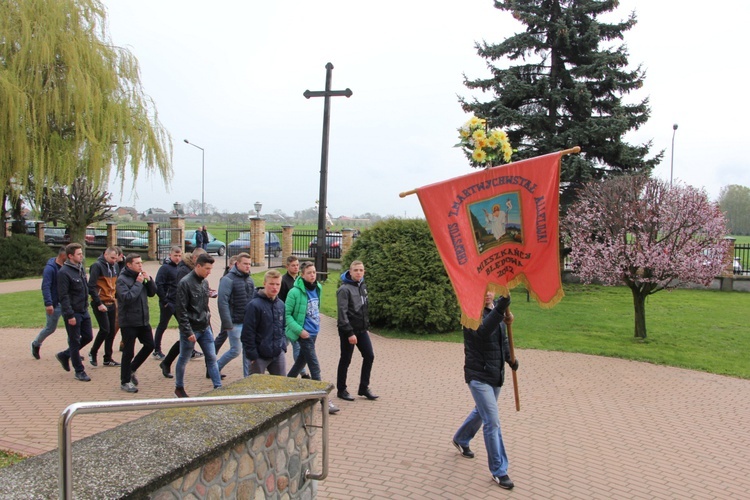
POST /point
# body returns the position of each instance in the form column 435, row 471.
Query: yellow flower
column 492, row 143
column 499, row 135
column 507, row 152
column 478, row 134
column 475, row 122
column 479, row 155
column 463, row 132
column 481, row 143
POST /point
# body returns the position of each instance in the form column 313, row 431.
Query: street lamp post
column 258, row 206
column 203, row 179
column 671, row 162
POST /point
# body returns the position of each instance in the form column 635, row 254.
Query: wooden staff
column 509, row 331
column 576, row 149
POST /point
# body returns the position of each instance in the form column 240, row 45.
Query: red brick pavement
column 589, row 427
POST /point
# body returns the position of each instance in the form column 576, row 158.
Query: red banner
column 496, row 229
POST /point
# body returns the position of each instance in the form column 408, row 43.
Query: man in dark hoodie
column 73, row 292
column 166, row 288
column 263, row 336
column 51, row 300
column 102, row 278
column 236, row 289
column 486, row 351
column 134, row 287
column 194, row 319
column 353, row 322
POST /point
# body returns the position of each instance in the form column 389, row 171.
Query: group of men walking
column 258, row 323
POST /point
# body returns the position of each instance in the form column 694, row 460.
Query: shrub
column 408, row 285
column 22, row 256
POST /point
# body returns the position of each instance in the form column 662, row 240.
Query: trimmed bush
column 408, row 285
column 22, row 256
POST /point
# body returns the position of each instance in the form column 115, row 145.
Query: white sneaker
column 129, row 387
column 332, row 408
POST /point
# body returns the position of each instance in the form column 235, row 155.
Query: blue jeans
column 295, row 353
column 307, row 356
column 235, row 349
column 79, row 335
column 485, row 415
column 206, row 340
column 50, row 327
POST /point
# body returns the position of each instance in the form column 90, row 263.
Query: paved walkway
column 589, row 427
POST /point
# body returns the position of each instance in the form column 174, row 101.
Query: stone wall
column 254, row 450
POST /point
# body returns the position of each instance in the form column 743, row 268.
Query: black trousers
column 106, row 333
column 368, row 356
column 165, row 314
column 129, row 336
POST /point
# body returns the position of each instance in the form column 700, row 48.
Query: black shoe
column 92, row 359
column 345, row 396
column 196, row 354
column 110, row 362
column 222, row 376
column 158, row 355
column 82, row 377
column 504, row 482
column 64, row 361
column 368, row 394
column 305, row 375
column 133, row 379
column 165, row 370
column 463, row 450
column 180, row 392
column 122, row 345
column 34, row 349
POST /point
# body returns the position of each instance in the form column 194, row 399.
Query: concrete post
column 257, row 241
column 346, row 240
column 177, row 224
column 287, row 242
column 153, row 240
column 111, row 234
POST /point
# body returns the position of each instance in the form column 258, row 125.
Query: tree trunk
column 639, row 304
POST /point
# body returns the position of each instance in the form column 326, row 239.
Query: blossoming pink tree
column 641, row 232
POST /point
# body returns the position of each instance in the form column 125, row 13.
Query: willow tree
column 71, row 103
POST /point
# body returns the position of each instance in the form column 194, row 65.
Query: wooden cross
column 320, row 264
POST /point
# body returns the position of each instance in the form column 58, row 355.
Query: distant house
column 157, row 215
column 125, row 212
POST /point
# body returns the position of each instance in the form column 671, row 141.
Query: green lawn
column 9, row 458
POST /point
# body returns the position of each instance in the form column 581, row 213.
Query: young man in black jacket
column 166, row 288
column 263, row 336
column 486, row 350
column 134, row 287
column 73, row 292
column 194, row 319
column 102, row 278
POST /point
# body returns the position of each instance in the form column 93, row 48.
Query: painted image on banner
column 496, row 220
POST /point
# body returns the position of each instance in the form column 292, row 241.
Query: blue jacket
column 49, row 283
column 73, row 290
column 236, row 289
column 263, row 328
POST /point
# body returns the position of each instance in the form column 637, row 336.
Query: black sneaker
column 133, row 379
column 82, row 377
column 92, row 359
column 110, row 362
column 196, row 354
column 504, row 482
column 64, row 361
column 35, row 349
column 463, row 450
column 158, row 355
column 165, row 370
column 305, row 375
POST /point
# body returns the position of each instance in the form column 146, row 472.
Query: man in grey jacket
column 236, row 289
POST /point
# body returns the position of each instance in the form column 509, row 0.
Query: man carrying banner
column 486, row 352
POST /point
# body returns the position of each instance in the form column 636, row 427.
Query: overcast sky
column 229, row 77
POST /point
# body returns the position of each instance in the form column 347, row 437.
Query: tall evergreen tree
column 71, row 103
column 564, row 86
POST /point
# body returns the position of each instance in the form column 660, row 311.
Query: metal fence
column 741, row 263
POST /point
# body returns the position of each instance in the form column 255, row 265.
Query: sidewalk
column 589, row 427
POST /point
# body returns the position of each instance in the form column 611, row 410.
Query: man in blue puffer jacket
column 51, row 300
column 263, row 336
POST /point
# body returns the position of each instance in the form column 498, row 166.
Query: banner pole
column 573, row 150
column 509, row 330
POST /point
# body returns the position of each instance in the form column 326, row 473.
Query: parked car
column 214, row 245
column 332, row 246
column 242, row 244
column 60, row 236
column 126, row 237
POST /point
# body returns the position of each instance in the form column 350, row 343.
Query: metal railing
column 66, row 418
